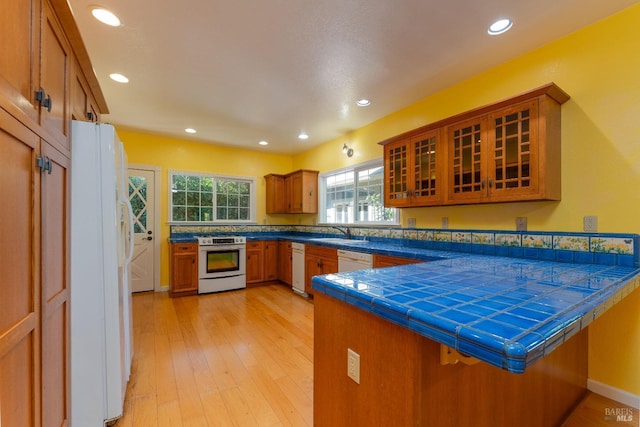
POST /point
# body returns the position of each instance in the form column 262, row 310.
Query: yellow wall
column 168, row 153
column 598, row 66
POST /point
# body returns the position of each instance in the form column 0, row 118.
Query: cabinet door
column 255, row 262
column 184, row 269
column 285, row 262
column 276, row 195
column 55, row 289
column 83, row 107
column 20, row 58
column 54, row 78
column 312, row 267
column 426, row 176
column 295, row 201
column 20, row 279
column 513, row 153
column 467, row 161
column 396, row 170
column 270, row 260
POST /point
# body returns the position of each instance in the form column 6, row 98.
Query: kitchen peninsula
column 525, row 320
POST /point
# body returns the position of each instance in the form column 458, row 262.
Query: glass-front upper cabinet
column 412, row 170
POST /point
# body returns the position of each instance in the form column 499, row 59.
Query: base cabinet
column 285, row 262
column 184, row 269
column 318, row 260
column 262, row 261
column 403, row 383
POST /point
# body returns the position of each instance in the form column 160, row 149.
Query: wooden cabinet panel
column 505, row 152
column 277, row 201
column 255, row 262
column 20, row 59
column 285, row 262
column 380, row 261
column 270, row 260
column 20, row 282
column 55, row 289
column 413, row 170
column 184, row 269
column 262, row 261
column 54, row 78
column 318, row 260
column 296, row 192
column 83, row 105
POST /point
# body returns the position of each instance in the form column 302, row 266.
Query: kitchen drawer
column 185, row 247
column 255, row 245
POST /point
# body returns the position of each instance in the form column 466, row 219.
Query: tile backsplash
column 589, row 248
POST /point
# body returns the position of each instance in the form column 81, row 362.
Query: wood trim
column 549, row 89
column 17, row 332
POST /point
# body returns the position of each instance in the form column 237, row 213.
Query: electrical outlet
column 411, row 223
column 590, row 224
column 521, row 223
column 445, row 222
column 353, row 365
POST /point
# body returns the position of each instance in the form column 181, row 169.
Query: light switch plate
column 590, row 223
column 521, row 223
column 353, row 365
column 411, row 223
column 445, row 222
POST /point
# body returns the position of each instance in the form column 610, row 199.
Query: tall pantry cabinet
column 42, row 54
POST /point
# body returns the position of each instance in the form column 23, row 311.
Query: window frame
column 322, row 196
column 253, row 198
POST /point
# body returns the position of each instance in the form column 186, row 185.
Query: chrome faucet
column 343, row 230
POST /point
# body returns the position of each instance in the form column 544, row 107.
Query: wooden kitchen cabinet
column 296, row 192
column 413, row 171
column 184, row 269
column 262, row 261
column 318, row 260
column 505, row 152
column 285, row 262
column 83, row 104
column 40, row 43
column 276, row 198
column 380, row 261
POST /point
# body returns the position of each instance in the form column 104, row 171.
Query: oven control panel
column 221, row 240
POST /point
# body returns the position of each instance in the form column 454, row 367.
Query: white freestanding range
column 101, row 246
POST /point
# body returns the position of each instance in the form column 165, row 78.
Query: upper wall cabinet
column 296, row 192
column 413, row 170
column 42, row 58
column 504, row 152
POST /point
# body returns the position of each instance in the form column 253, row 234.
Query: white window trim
column 252, row 202
column 322, row 205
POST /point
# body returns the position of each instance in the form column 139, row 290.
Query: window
column 355, row 196
column 198, row 197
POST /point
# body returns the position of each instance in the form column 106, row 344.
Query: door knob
column 147, row 238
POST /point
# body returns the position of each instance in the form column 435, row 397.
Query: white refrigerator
column 101, row 250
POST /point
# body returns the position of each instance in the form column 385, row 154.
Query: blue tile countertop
column 508, row 312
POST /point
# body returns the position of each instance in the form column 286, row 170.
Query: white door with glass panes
column 141, row 195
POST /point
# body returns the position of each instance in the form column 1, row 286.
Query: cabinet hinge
column 45, row 164
column 44, row 99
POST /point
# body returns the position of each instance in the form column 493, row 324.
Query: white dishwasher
column 351, row 261
column 297, row 268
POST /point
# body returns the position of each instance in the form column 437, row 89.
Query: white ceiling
column 241, row 71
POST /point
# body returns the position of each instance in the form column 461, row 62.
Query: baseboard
column 613, row 393
column 163, row 288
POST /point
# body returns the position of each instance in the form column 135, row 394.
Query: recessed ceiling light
column 500, row 26
column 190, row 130
column 119, row 78
column 263, row 143
column 363, row 102
column 303, row 135
column 105, row 16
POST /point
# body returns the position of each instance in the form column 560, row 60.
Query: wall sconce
column 347, row 150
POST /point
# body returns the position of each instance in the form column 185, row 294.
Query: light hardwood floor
column 241, row 358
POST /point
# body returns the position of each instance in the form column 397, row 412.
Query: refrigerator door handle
column 129, row 254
